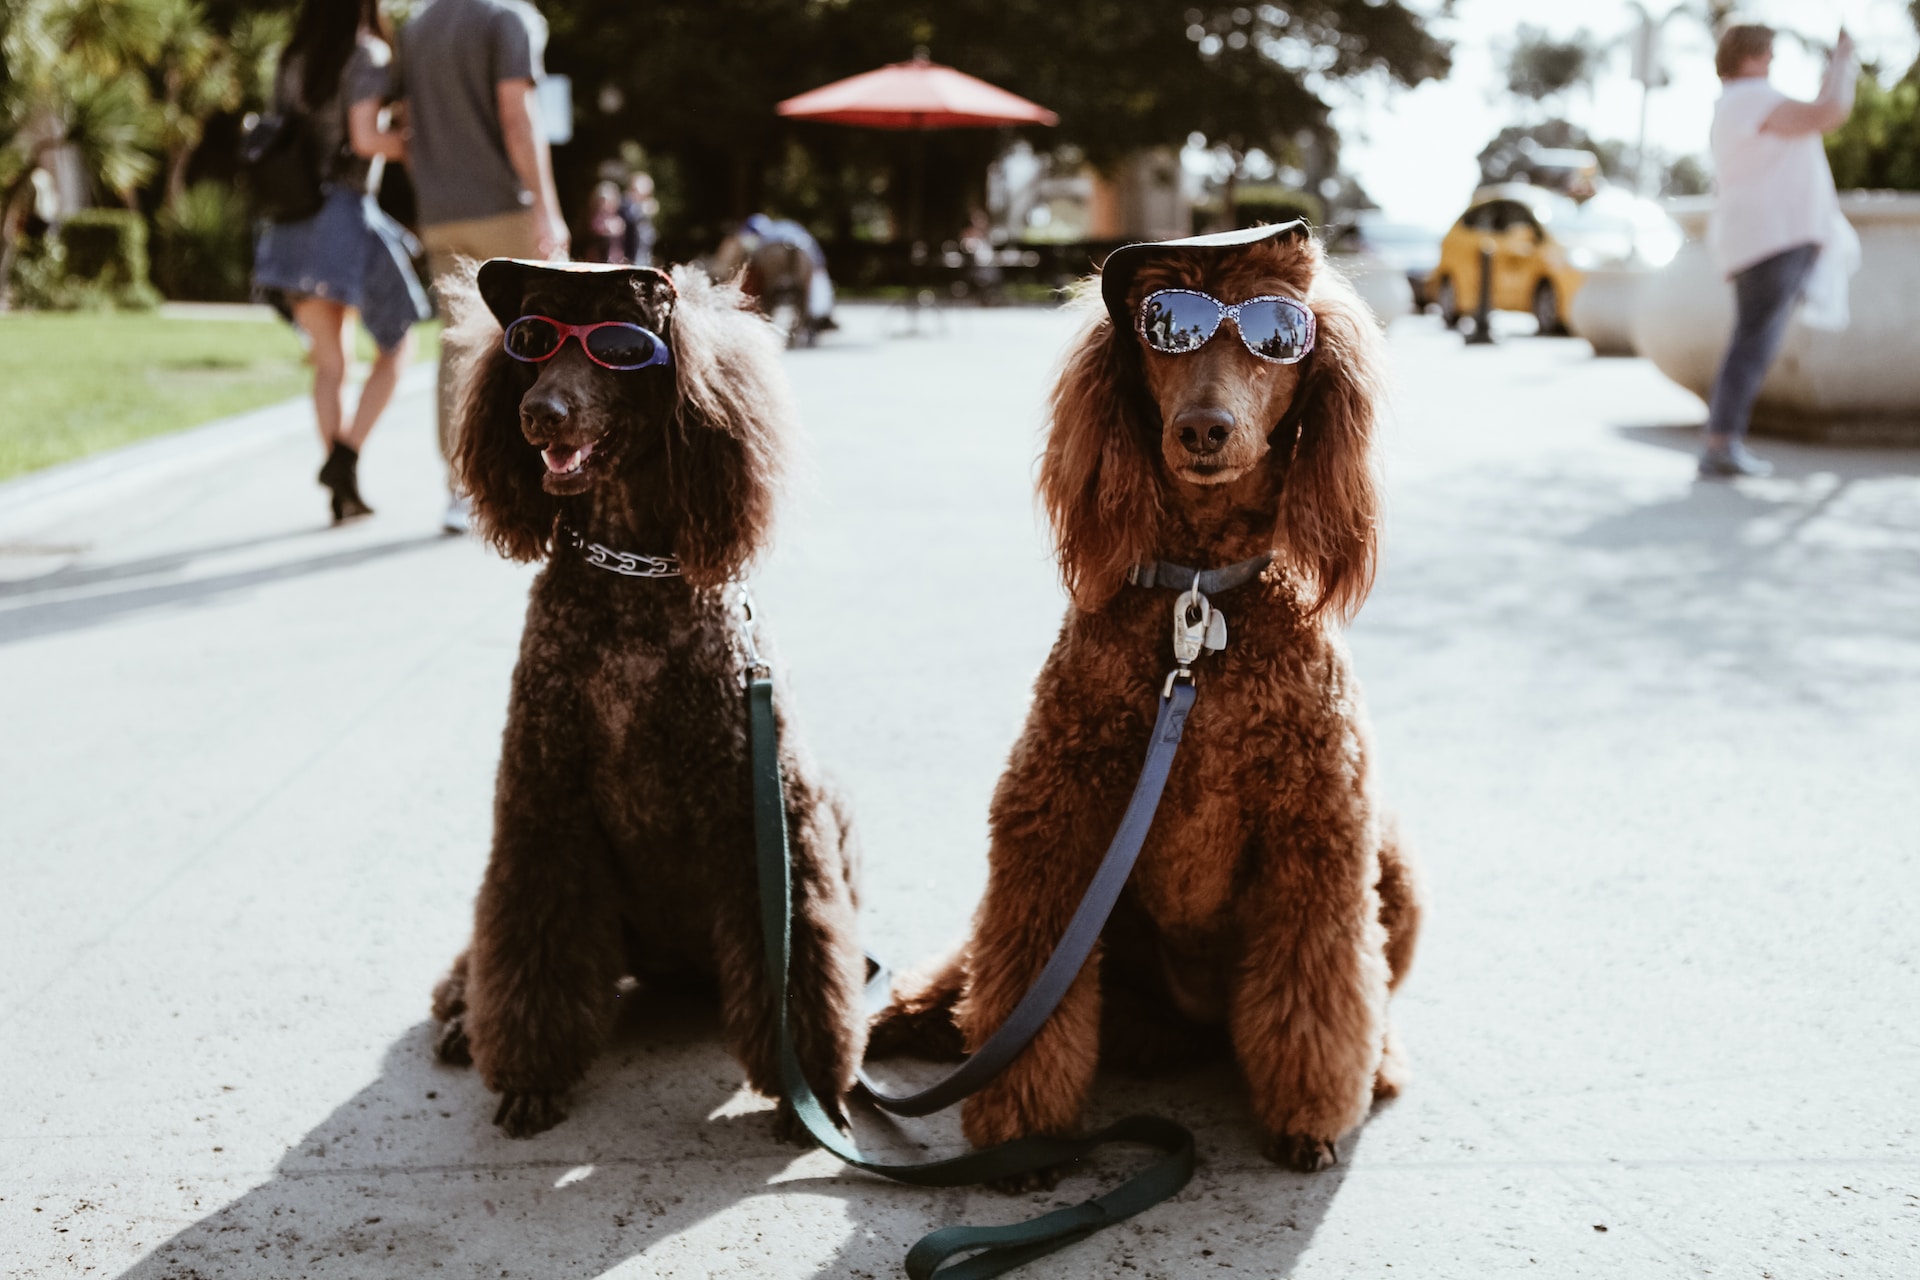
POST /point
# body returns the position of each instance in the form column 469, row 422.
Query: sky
column 1413, row 150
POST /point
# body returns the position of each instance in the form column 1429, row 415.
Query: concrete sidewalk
column 1656, row 742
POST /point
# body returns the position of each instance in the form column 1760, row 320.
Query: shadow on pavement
column 1791, row 459
column 408, row 1176
column 70, row 576
column 27, row 621
column 1761, row 590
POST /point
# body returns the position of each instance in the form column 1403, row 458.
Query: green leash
column 994, row 1250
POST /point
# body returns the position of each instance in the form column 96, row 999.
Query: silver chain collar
column 625, row 563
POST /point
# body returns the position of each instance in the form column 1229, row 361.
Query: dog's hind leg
column 450, row 1011
column 842, row 836
column 918, row 1020
column 1402, row 903
column 825, row 981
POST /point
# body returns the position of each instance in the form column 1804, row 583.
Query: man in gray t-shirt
column 482, row 173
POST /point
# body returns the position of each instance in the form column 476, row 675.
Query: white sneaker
column 1734, row 460
column 459, row 517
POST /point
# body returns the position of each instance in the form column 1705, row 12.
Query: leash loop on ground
column 992, row 1250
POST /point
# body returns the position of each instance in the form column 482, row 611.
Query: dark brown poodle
column 623, row 836
column 1272, row 908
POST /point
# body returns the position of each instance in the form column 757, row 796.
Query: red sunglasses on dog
column 611, row 344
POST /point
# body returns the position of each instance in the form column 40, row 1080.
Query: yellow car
column 1543, row 244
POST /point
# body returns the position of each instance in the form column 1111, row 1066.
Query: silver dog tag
column 1191, row 613
column 1216, row 632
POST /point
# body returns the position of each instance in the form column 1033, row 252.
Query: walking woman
column 350, row 256
column 1777, row 211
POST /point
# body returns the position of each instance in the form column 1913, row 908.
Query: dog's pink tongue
column 561, row 459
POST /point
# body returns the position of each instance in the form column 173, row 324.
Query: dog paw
column 521, row 1115
column 450, row 993
column 1393, row 1072
column 1018, row 1184
column 899, row 1030
column 1388, row 1081
column 1301, row 1153
column 450, row 1044
column 788, row 1128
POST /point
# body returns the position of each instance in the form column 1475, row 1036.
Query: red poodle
column 1217, row 413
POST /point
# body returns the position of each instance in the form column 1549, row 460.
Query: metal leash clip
column 1198, row 628
column 757, row 668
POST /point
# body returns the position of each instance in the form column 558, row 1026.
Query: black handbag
column 280, row 165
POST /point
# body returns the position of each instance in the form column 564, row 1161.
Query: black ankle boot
column 342, row 475
column 339, row 459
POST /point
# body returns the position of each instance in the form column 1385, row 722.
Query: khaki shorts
column 506, row 235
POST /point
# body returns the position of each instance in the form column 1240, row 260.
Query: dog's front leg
column 825, row 981
column 1053, row 815
column 545, row 952
column 1309, row 1014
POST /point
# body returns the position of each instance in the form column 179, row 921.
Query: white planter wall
column 1861, row 385
column 1603, row 309
column 1382, row 286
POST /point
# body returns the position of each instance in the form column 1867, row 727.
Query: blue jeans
column 1764, row 295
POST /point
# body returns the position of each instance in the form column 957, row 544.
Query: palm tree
column 71, row 75
column 200, row 76
column 1541, row 69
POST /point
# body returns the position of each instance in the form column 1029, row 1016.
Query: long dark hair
column 324, row 35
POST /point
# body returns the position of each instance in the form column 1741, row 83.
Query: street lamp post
column 1651, row 72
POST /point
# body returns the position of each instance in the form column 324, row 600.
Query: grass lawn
column 75, row 384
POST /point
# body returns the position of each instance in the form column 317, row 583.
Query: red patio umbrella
column 917, row 95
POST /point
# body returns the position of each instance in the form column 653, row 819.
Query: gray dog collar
column 1177, row 577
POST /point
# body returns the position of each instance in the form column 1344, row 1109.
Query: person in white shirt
column 1776, row 209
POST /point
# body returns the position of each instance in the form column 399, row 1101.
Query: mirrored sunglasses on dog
column 611, row 344
column 1176, row 321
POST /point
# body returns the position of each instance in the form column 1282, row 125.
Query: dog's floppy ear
column 1329, row 527
column 1097, row 476
column 734, row 415
column 495, row 465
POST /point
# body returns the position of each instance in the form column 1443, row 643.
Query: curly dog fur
column 1272, row 908
column 623, row 840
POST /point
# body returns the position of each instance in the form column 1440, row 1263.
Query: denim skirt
column 351, row 253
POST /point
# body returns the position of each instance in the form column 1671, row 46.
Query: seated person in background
column 606, row 238
column 638, row 210
column 756, row 246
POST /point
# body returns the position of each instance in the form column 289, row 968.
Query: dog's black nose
column 1204, row 430
column 543, row 413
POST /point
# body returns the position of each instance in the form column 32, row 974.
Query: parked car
column 1414, row 250
column 1543, row 244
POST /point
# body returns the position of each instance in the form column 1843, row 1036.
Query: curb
column 180, row 448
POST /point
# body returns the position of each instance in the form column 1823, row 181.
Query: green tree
column 1509, row 157
column 71, row 78
column 199, row 76
column 697, row 81
column 1540, row 68
column 1879, row 145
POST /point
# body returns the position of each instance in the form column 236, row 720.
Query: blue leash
column 994, row 1250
